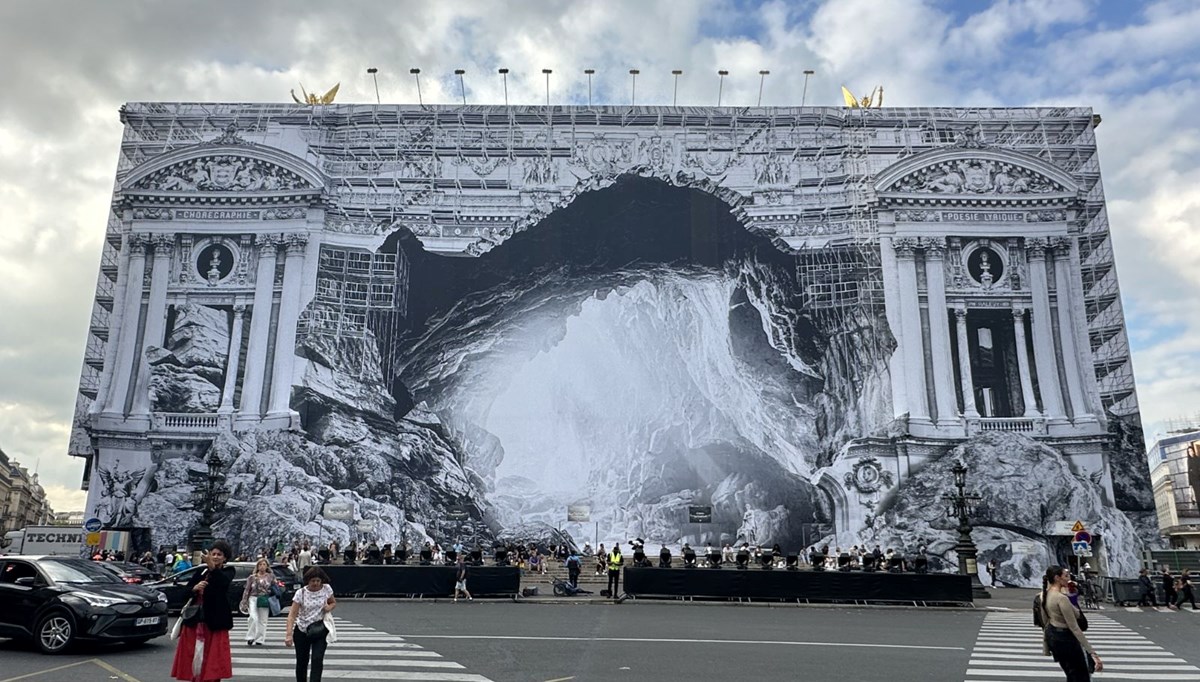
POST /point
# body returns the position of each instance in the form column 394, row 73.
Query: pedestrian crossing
column 1009, row 648
column 1160, row 609
column 360, row 653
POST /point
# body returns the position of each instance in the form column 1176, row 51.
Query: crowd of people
column 203, row 652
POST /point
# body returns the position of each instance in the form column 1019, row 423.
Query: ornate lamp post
column 211, row 499
column 961, row 506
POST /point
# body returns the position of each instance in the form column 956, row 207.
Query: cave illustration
column 637, row 351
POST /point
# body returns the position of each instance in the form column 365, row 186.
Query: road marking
column 360, row 653
column 94, row 661
column 43, row 672
column 659, row 640
column 1008, row 647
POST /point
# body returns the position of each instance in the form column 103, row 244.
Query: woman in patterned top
column 256, row 604
column 304, row 623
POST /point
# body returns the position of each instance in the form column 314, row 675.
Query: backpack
column 1037, row 612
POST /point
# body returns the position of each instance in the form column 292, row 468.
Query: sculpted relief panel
column 223, row 173
column 977, row 176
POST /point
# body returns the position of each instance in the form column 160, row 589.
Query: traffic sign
column 1083, row 536
column 92, row 540
column 1078, row 527
column 93, row 525
column 1080, row 547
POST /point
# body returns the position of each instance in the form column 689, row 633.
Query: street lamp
column 212, row 497
column 961, row 506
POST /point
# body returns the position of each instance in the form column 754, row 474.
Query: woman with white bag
column 308, row 623
column 256, row 602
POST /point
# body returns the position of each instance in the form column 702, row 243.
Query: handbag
column 1083, row 624
column 263, row 601
column 274, row 606
column 316, row 630
column 191, row 614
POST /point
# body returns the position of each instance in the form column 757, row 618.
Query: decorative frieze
column 222, row 173
column 976, row 176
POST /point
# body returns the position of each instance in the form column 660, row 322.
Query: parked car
column 175, row 586
column 134, row 574
column 56, row 601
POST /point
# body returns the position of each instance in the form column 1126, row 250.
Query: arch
column 243, row 168
column 965, row 172
column 548, row 200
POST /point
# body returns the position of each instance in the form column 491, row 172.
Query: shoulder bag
column 191, row 613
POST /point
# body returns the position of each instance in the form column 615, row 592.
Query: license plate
column 153, row 620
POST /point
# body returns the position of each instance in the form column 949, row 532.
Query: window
column 14, row 570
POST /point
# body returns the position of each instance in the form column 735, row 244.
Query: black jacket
column 217, row 615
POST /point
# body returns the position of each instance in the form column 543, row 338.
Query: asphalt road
column 504, row 641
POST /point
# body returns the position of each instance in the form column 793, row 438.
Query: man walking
column 1168, row 583
column 1147, row 586
column 614, row 571
column 992, row 568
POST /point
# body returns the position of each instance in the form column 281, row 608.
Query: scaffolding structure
column 427, row 168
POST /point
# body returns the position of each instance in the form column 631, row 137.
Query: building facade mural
column 800, row 317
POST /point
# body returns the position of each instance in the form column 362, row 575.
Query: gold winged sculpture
column 313, row 99
column 875, row 99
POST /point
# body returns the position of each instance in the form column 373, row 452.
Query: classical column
column 964, row 365
column 1023, row 363
column 891, row 306
column 260, row 327
column 131, row 312
column 910, row 327
column 289, row 315
column 1043, row 336
column 156, row 317
column 1066, row 328
column 939, row 330
column 231, row 364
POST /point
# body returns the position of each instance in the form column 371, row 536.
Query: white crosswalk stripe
column 1009, row 648
column 360, row 653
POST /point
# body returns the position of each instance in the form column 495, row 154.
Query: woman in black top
column 210, row 590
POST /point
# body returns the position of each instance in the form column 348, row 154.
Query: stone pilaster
column 1043, row 335
column 131, row 313
column 156, row 317
column 910, row 327
column 1027, row 395
column 289, row 316
column 260, row 327
column 234, row 357
column 1066, row 329
column 964, row 365
column 939, row 330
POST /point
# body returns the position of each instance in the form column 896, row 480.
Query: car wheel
column 54, row 632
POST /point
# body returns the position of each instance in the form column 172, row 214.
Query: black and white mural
column 779, row 317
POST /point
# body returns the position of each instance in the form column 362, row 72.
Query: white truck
column 55, row 540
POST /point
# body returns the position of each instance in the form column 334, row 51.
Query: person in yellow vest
column 614, row 570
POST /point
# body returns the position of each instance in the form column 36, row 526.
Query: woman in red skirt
column 203, row 653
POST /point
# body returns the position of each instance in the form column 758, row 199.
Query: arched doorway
column 638, row 351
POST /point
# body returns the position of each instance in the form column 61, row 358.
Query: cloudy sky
column 68, row 67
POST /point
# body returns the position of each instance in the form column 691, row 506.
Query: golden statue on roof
column 866, row 102
column 313, row 99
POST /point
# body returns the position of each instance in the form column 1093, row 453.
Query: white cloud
column 65, row 80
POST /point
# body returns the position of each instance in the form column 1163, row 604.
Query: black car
column 134, row 574
column 55, row 601
column 175, row 586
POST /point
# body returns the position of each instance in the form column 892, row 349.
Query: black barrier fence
column 429, row 581
column 821, row 586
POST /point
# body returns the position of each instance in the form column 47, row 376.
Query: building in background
column 22, row 498
column 73, row 519
column 1175, row 477
column 803, row 316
